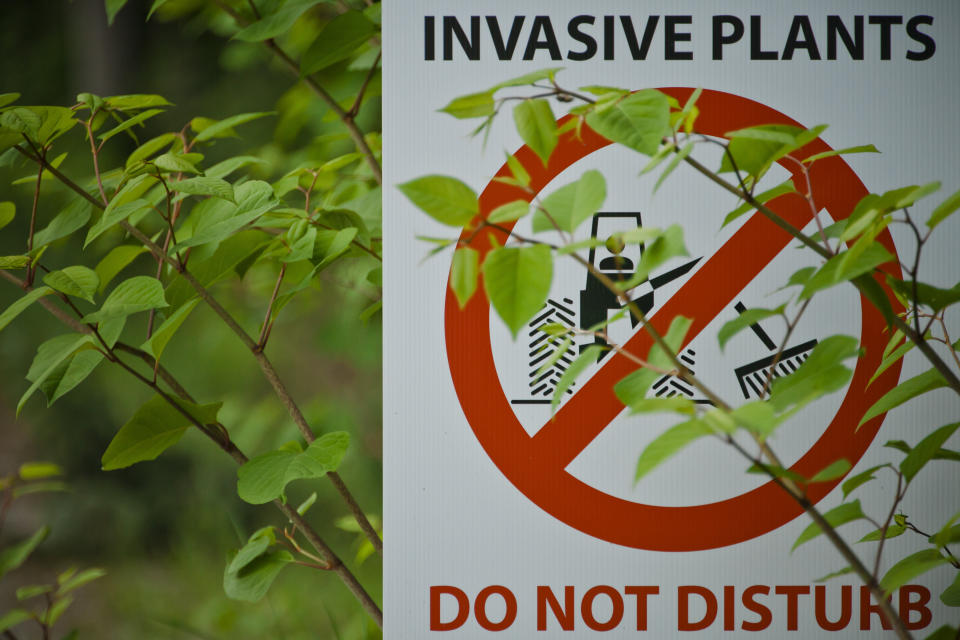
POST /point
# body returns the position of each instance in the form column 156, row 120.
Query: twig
column 33, row 215
column 355, row 109
column 267, row 320
column 898, row 497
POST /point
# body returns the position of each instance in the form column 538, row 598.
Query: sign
column 505, row 517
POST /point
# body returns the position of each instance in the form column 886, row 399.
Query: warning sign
column 514, row 514
column 537, row 464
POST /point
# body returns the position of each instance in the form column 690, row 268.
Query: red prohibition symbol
column 536, row 464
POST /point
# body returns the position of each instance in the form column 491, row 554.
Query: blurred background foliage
column 162, row 529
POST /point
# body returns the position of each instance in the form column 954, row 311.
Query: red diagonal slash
column 536, row 465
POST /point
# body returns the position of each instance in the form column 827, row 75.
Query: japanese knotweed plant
column 516, row 279
column 200, row 227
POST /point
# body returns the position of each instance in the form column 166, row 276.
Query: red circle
column 536, row 464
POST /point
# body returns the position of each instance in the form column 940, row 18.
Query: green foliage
column 639, row 120
column 156, row 426
column 446, row 200
column 337, row 40
column 537, row 126
column 265, row 477
column 911, row 567
column 517, row 282
column 840, row 515
column 571, row 204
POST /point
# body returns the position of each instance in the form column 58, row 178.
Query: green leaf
column 864, row 148
column 668, row 244
column 528, row 78
column 139, row 293
column 15, row 262
column 331, row 245
column 892, row 357
column 253, row 581
column 338, row 39
column 228, row 166
column 72, row 218
column 668, row 444
column 77, row 281
column 935, row 298
column 474, row 105
column 675, row 404
column 537, row 126
column 128, row 123
column 517, row 282
column 632, row 389
column 893, row 531
column 851, row 483
column 838, row 269
column 446, row 200
column 821, row 373
column 39, row 470
column 835, row 574
column 783, row 188
column 221, row 219
column 162, row 336
column 948, row 534
column 275, row 23
column 83, row 578
column 586, row 357
column 776, row 472
column 176, row 163
column 832, row 471
column 224, row 127
column 518, row 171
column 754, row 149
column 262, row 478
column 925, row 451
column 265, row 477
column 205, row 186
column 744, row 320
column 13, row 617
column 758, row 417
column 639, row 121
column 910, row 567
column 22, row 120
column 571, row 204
column 7, row 212
column 113, row 215
column 156, row 426
column 944, row 210
column 906, row 390
column 509, row 212
column 49, row 360
column 136, row 101
column 113, row 7
column 19, row 305
column 8, row 98
column 464, row 273
column 255, row 547
column 951, row 598
column 675, row 160
column 942, row 454
column 846, row 512
column 115, row 262
column 13, row 556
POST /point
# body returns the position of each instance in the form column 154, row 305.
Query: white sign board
column 504, row 518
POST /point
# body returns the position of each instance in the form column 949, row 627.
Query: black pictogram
column 753, row 375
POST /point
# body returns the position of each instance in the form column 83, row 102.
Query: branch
column 222, row 440
column 269, row 372
column 948, row 374
column 345, row 117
